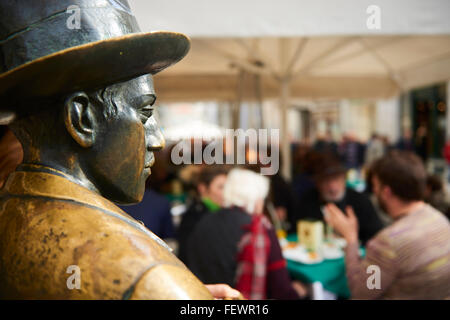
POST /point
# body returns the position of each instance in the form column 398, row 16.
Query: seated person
column 209, row 186
column 410, row 259
column 329, row 178
column 238, row 246
column 154, row 212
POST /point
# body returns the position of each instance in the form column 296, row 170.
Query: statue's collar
column 43, row 181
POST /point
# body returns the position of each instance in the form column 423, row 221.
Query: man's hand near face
column 345, row 224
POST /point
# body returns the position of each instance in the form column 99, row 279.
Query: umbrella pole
column 447, row 136
column 285, row 144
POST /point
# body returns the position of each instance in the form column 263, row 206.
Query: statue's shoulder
column 47, row 238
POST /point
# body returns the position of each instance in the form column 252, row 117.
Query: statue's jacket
column 53, row 230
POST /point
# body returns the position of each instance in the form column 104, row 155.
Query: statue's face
column 122, row 154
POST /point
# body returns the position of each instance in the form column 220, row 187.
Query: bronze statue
column 79, row 98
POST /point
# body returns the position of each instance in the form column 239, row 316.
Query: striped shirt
column 413, row 257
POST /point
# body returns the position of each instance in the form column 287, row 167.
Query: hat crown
column 30, row 29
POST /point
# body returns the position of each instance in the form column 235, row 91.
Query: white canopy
column 291, row 18
column 301, row 48
column 325, row 48
column 316, row 67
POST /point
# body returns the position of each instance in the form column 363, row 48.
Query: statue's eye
column 146, row 108
column 146, row 113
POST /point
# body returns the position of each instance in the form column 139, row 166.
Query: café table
column 330, row 273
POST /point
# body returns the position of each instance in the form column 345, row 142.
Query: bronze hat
column 44, row 52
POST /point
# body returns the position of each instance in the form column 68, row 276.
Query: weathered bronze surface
column 88, row 135
column 41, row 57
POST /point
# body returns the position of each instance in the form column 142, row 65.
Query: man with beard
column 410, row 259
column 329, row 177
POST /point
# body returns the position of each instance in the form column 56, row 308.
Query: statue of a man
column 79, row 96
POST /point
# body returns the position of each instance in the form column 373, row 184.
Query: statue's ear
column 79, row 119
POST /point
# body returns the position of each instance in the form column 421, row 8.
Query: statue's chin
column 126, row 196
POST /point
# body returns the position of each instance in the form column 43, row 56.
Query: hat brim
column 92, row 66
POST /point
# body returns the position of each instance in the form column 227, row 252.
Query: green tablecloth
column 331, row 273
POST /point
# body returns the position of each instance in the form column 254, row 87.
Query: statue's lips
column 150, row 163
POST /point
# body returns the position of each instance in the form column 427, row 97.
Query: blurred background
column 323, row 72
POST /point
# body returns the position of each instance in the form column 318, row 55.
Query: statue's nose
column 157, row 141
column 155, row 138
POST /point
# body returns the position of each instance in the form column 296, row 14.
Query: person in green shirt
column 209, row 183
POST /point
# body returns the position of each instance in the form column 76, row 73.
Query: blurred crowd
column 357, row 156
column 223, row 214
